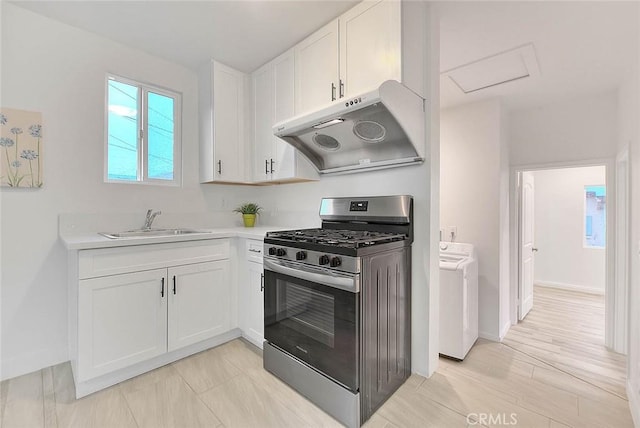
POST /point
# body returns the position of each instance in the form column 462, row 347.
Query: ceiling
column 581, row 47
column 241, row 34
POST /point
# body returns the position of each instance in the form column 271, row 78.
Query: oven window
column 315, row 323
column 307, row 311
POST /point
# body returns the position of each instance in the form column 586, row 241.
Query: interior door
column 527, row 249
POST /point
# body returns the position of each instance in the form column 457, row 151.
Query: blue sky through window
column 126, row 152
column 123, row 131
column 160, row 135
column 595, row 216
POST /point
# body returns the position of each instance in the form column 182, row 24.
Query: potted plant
column 249, row 212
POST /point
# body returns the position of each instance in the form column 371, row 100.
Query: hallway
column 552, row 368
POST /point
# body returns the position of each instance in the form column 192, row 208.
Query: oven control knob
column 324, row 260
column 301, row 255
column 272, row 251
column 336, row 261
column 281, row 252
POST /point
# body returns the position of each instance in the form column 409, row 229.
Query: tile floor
column 496, row 385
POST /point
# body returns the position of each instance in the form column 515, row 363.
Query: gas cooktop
column 335, row 237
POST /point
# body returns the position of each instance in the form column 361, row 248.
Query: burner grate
column 337, row 237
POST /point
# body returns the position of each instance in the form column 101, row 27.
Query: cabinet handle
column 251, row 250
column 333, row 91
column 162, row 289
column 271, row 166
column 341, row 88
column 266, row 166
column 220, row 167
column 261, row 282
column 174, row 284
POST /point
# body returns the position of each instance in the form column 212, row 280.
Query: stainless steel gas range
column 337, row 305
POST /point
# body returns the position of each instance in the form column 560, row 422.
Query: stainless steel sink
column 144, row 233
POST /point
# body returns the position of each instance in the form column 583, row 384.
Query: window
column 595, row 219
column 143, row 133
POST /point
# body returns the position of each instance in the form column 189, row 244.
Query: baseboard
column 504, row 330
column 32, row 362
column 570, row 287
column 634, row 403
column 489, row 336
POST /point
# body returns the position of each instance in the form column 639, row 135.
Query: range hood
column 380, row 129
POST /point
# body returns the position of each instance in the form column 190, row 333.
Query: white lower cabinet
column 122, row 320
column 251, row 294
column 199, row 301
column 254, row 329
column 121, row 315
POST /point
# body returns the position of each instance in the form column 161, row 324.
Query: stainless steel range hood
column 380, row 129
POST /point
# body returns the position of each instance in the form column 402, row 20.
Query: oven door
column 313, row 314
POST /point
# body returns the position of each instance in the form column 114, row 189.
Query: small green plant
column 248, row 208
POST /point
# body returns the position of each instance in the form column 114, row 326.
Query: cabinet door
column 370, row 45
column 254, row 307
column 122, row 320
column 263, row 122
column 228, row 123
column 199, row 302
column 284, row 108
column 317, row 69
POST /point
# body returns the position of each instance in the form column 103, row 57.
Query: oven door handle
column 346, row 282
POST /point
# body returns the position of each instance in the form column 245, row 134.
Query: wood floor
column 551, row 371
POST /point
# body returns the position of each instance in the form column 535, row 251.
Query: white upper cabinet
column 351, row 55
column 263, row 114
column 317, row 69
column 222, row 123
column 273, row 101
column 370, row 46
column 284, row 155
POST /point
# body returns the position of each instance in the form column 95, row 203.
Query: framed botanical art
column 20, row 148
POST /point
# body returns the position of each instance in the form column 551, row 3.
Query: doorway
column 564, row 237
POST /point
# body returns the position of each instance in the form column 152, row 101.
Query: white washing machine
column 458, row 299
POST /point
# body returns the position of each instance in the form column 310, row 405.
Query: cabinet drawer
column 254, row 249
column 112, row 261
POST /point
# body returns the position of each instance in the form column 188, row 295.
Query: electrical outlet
column 452, row 232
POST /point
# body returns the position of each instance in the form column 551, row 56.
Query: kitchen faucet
column 150, row 217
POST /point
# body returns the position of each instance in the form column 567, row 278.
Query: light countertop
column 86, row 241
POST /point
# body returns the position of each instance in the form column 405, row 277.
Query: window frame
column 142, row 176
column 585, row 243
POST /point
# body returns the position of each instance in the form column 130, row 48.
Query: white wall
column 576, row 129
column 562, row 259
column 60, row 71
column 473, row 165
column 504, row 321
column 629, row 136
